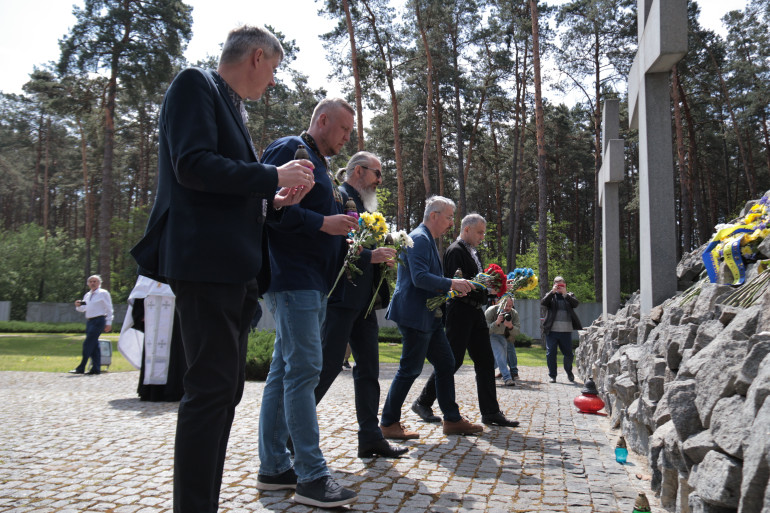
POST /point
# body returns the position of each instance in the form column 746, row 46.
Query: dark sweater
column 302, row 257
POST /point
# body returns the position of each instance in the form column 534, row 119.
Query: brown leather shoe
column 397, row 431
column 462, row 427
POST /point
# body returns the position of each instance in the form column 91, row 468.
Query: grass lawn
column 61, row 352
column 51, row 352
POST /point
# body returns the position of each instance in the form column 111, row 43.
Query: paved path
column 85, row 443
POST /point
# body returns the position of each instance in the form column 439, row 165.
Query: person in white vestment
column 150, row 341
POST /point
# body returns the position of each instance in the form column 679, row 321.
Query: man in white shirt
column 97, row 305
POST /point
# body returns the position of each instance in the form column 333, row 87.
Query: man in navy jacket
column 420, row 277
column 306, row 251
column 204, row 237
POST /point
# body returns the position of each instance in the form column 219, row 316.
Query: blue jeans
column 562, row 340
column 94, row 328
column 288, row 400
column 505, row 356
column 416, row 346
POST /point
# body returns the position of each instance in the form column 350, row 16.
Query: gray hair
column 472, row 220
column 243, row 40
column 559, row 279
column 436, row 204
column 362, row 158
column 99, row 278
column 330, row 104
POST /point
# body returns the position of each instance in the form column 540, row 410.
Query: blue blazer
column 213, row 194
column 420, row 277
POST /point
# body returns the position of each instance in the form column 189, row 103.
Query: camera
column 508, row 316
column 82, row 302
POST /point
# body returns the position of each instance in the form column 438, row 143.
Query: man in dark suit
column 204, row 237
column 466, row 327
column 347, row 322
column 420, row 278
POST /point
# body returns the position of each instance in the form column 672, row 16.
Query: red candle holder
column 589, row 401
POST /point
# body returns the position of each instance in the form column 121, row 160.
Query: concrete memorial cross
column 662, row 43
column 610, row 175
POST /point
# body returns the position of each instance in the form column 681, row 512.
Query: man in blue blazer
column 420, row 277
column 204, row 237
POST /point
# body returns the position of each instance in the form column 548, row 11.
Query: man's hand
column 384, row 255
column 108, row 328
column 296, row 173
column 339, row 224
column 290, row 196
column 461, row 286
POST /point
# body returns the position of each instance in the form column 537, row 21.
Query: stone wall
column 686, row 385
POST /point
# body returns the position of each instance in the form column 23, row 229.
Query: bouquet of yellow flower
column 399, row 241
column 371, row 229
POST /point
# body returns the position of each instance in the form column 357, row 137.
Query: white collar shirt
column 98, row 303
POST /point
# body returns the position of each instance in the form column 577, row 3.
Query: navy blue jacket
column 420, row 277
column 302, row 257
column 213, row 194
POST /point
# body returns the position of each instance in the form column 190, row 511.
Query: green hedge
column 41, row 327
column 259, row 355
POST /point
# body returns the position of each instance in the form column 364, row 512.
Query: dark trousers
column 344, row 326
column 215, row 319
column 94, row 328
column 466, row 329
column 416, row 346
column 562, row 340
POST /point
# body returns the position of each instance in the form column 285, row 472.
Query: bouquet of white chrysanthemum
column 371, row 229
column 399, row 240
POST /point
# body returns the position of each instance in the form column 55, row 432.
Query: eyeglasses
column 376, row 172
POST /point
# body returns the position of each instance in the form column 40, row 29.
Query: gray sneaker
column 323, row 492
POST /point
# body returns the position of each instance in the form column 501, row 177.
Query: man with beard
column 306, row 252
column 347, row 322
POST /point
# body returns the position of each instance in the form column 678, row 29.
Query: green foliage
column 389, row 335
column 259, row 354
column 35, row 269
column 42, row 327
column 565, row 258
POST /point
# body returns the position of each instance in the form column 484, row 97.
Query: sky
column 29, row 39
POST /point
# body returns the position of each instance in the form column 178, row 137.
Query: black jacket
column 213, row 195
column 550, row 302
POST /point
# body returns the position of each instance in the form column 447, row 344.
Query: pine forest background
column 449, row 93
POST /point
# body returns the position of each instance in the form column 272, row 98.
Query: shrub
column 42, row 327
column 259, row 354
column 389, row 335
column 523, row 340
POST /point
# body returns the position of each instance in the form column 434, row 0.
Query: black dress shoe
column 75, row 371
column 498, row 419
column 425, row 412
column 93, row 372
column 571, row 377
column 380, row 448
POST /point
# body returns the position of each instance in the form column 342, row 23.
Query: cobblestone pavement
column 86, row 443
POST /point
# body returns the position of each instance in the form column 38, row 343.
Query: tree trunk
column 384, row 51
column 89, row 201
column 460, row 142
column 356, row 76
column 750, row 178
column 685, row 183
column 597, row 259
column 439, row 141
column 498, row 190
column 542, row 231
column 105, row 205
column 703, row 214
column 428, row 103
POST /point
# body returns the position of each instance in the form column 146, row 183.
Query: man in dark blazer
column 466, row 327
column 420, row 278
column 204, row 237
column 347, row 322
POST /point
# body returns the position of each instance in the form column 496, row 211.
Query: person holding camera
column 504, row 325
column 560, row 321
column 97, row 305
